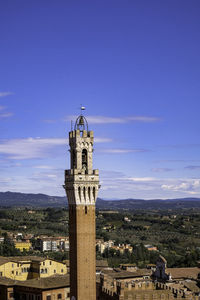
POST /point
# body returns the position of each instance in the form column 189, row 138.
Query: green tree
column 7, row 248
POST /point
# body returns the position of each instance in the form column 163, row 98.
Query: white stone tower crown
column 81, row 181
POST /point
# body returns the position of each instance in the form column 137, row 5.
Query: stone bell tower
column 82, row 185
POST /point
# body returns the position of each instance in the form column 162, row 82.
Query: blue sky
column 135, row 65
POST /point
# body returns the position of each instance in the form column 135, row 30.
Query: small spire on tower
column 81, row 122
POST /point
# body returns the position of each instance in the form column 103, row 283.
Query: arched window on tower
column 84, row 159
column 79, row 193
column 84, row 193
column 73, row 159
column 94, row 195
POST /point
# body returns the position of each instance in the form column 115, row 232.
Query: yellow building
column 47, row 267
column 28, row 267
column 23, row 246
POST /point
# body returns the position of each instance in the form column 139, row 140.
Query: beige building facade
column 29, row 267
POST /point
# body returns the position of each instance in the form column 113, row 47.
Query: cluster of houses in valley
column 44, row 243
column 41, row 243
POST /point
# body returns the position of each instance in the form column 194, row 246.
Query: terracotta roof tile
column 183, row 272
column 118, row 273
column 51, row 282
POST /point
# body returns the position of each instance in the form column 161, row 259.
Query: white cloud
column 51, row 175
column 196, row 183
column 6, row 115
column 34, row 147
column 142, row 179
column 114, row 185
column 160, row 170
column 114, row 120
column 5, row 180
column 102, row 140
column 192, row 167
column 143, row 119
column 4, row 94
column 119, row 186
column 121, row 151
column 104, row 120
column 30, row 147
column 188, row 186
column 36, row 183
column 45, row 167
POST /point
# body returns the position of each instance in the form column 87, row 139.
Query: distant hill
column 31, row 200
column 138, row 204
column 11, row 199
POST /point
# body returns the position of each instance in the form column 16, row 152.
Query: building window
column 84, row 159
column 11, row 295
column 1, row 273
column 73, row 159
column 48, row 297
column 84, row 193
column 86, row 210
column 45, row 270
column 94, row 193
column 59, row 296
column 43, row 263
column 12, row 272
column 54, row 271
column 16, row 272
column 50, row 262
column 79, row 193
column 12, row 265
column 61, row 270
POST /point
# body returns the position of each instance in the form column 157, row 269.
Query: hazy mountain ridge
column 31, row 200
column 184, row 203
column 10, row 199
